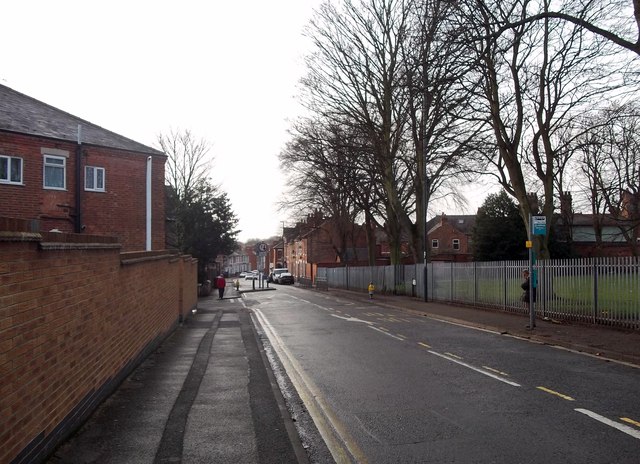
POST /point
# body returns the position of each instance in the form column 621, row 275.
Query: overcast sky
column 226, row 70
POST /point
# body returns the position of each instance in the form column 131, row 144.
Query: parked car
column 253, row 275
column 243, row 274
column 275, row 274
column 285, row 278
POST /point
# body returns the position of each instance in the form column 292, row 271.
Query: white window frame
column 54, row 154
column 434, row 243
column 8, row 180
column 96, row 187
column 455, row 243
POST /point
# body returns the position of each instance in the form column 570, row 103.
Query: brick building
column 600, row 235
column 318, row 240
column 449, row 238
column 64, row 173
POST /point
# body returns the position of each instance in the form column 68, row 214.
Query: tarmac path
column 204, row 396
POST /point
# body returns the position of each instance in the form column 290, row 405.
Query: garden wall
column 76, row 317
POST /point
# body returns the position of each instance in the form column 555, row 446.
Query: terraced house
column 66, row 174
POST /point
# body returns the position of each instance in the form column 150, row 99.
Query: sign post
column 537, row 226
column 261, row 250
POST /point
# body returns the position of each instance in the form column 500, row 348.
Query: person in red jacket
column 221, row 283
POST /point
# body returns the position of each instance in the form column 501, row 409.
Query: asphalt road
column 385, row 386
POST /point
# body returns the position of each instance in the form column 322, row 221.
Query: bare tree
column 537, row 79
column 611, row 168
column 444, row 129
column 355, row 76
column 202, row 221
column 617, row 21
column 386, row 71
column 187, row 162
column 322, row 163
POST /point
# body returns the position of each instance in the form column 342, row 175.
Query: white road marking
column 448, row 356
column 623, row 428
column 386, row 333
column 473, row 368
column 352, row 319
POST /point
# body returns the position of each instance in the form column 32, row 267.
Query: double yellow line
column 341, row 444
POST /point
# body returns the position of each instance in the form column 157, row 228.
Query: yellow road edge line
column 401, row 336
column 341, row 444
column 630, row 421
column 552, row 392
column 453, row 355
column 424, row 344
column 382, row 328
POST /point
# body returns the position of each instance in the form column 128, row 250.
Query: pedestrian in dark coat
column 221, row 283
column 526, row 285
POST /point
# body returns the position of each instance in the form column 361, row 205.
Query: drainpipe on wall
column 149, row 159
column 78, row 221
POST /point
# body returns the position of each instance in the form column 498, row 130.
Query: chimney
column 566, row 206
column 630, row 205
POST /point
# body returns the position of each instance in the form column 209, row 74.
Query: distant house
column 584, row 241
column 601, row 235
column 319, row 240
column 64, row 173
column 237, row 262
column 449, row 238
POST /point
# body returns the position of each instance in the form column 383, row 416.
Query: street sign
column 539, row 225
column 261, row 247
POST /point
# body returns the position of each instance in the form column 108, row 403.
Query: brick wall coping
column 6, row 236
column 78, row 246
column 135, row 257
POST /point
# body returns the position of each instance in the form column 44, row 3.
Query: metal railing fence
column 595, row 290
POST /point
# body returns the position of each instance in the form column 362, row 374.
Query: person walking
column 371, row 288
column 221, row 283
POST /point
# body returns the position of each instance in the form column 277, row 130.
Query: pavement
column 206, row 395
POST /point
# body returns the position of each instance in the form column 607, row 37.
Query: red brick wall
column 119, row 211
column 445, row 234
column 76, row 316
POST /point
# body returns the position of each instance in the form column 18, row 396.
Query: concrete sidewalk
column 204, row 396
column 601, row 341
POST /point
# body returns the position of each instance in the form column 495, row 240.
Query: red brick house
column 64, row 173
column 318, row 241
column 449, row 238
